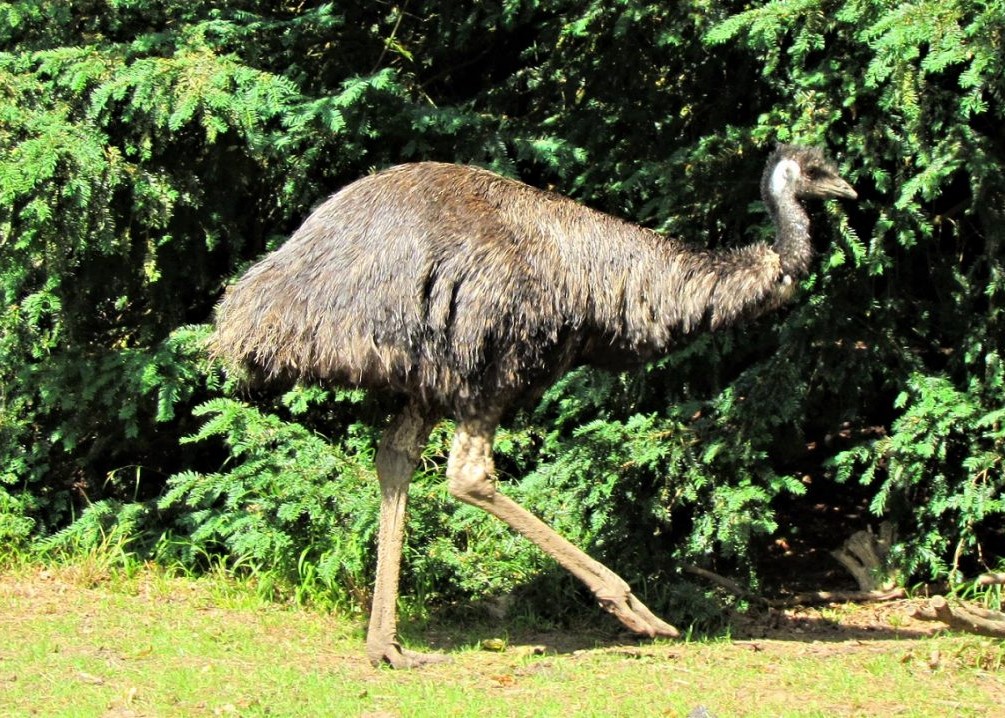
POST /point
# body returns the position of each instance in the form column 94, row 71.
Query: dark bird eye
column 814, row 173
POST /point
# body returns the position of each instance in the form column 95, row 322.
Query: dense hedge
column 150, row 149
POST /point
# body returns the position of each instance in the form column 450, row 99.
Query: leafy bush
column 149, row 151
column 913, row 91
column 939, row 469
column 292, row 499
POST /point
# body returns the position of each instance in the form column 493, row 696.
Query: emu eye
column 814, row 173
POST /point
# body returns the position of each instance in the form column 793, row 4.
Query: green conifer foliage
column 151, row 149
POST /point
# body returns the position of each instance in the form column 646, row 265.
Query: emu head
column 804, row 172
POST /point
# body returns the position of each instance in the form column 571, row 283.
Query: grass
column 86, row 639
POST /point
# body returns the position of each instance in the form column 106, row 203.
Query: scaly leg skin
column 469, row 471
column 397, row 457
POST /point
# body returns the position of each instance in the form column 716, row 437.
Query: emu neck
column 635, row 294
column 667, row 291
column 792, row 233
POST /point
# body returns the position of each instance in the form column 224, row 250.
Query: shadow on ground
column 843, row 623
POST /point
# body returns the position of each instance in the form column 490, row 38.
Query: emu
column 466, row 293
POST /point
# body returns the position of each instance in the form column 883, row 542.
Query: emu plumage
column 466, row 293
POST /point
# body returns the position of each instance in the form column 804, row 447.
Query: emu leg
column 398, row 455
column 469, row 471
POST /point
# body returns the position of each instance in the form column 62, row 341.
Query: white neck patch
column 785, row 174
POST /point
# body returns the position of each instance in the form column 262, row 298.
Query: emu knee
column 470, row 483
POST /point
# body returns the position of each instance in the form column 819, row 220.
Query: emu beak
column 837, row 187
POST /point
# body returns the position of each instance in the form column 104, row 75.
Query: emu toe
column 637, row 617
column 397, row 657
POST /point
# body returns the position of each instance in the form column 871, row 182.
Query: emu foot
column 397, row 657
column 636, row 616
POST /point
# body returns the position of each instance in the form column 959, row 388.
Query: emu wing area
column 440, row 281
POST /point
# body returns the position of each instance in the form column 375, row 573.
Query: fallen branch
column 970, row 619
column 727, row 583
column 808, row 598
column 812, row 598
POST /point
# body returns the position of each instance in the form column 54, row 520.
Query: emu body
column 466, row 293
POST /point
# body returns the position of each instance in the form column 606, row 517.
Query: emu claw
column 401, row 658
column 637, row 617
